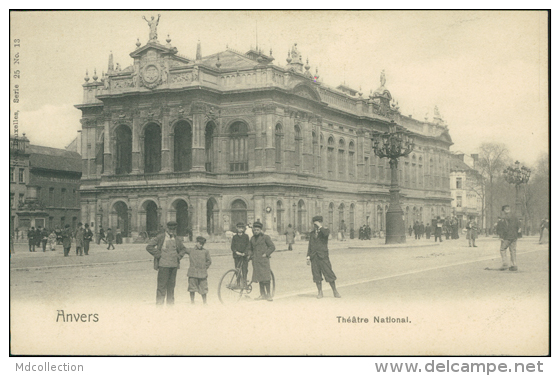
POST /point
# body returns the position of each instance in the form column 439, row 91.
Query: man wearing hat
column 260, row 249
column 79, row 236
column 167, row 250
column 508, row 230
column 240, row 249
column 318, row 257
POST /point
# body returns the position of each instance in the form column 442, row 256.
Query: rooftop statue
column 153, row 26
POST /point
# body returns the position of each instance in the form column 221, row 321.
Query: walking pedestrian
column 508, row 230
column 44, row 238
column 101, row 235
column 110, row 239
column 200, row 261
column 66, row 240
column 544, row 231
column 343, row 230
column 318, row 257
column 410, row 229
column 472, row 231
column 454, row 228
column 422, row 229
column 79, row 236
column 368, row 232
column 438, row 229
column 31, row 239
column 38, row 237
column 168, row 250
column 261, row 247
column 88, row 236
column 240, row 250
column 290, row 237
column 428, row 230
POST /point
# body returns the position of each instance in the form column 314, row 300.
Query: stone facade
column 231, row 137
column 466, row 189
column 44, row 187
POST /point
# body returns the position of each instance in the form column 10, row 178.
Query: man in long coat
column 290, row 237
column 88, row 236
column 31, row 239
column 472, row 231
column 318, row 257
column 66, row 240
column 79, row 236
column 261, row 247
column 167, row 250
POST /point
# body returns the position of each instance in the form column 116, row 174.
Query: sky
column 487, row 71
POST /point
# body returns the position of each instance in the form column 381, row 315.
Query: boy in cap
column 200, row 261
column 167, row 250
column 261, row 247
column 318, row 257
column 240, row 249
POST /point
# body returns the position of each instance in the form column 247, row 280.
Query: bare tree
column 493, row 157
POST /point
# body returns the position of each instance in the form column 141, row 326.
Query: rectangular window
column 459, row 183
column 63, row 197
column 366, row 169
column 351, row 164
column 20, row 200
column 21, row 176
column 459, row 201
column 51, row 196
column 330, row 162
column 12, row 174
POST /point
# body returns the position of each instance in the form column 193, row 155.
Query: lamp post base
column 395, row 227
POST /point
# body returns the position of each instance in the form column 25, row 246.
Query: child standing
column 52, row 240
column 200, row 261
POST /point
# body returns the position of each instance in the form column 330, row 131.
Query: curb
column 394, row 246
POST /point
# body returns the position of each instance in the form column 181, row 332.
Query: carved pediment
column 306, row 91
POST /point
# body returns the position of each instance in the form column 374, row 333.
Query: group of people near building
column 440, row 227
column 168, row 250
column 81, row 237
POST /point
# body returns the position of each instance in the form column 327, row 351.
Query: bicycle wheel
column 229, row 290
column 272, row 284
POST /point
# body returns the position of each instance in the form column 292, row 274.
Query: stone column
column 136, row 142
column 198, row 111
column 260, row 142
column 307, row 144
column 269, row 126
column 166, row 156
column 133, row 223
column 108, row 168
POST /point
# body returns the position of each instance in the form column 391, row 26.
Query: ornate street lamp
column 517, row 175
column 394, row 144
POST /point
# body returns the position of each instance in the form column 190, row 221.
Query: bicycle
column 233, row 287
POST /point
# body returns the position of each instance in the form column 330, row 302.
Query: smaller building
column 44, row 187
column 466, row 188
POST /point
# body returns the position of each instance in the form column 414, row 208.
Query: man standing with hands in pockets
column 318, row 257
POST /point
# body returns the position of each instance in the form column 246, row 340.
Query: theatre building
column 232, row 136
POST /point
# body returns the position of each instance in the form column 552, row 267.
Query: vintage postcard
column 279, row 183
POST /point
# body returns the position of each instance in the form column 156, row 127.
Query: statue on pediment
column 153, row 23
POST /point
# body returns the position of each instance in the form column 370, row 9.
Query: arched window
column 152, row 148
column 431, row 174
column 413, row 172
column 341, row 161
column 420, row 173
column 330, row 157
column 298, row 141
column 120, row 210
column 238, row 213
column 340, row 216
column 238, row 156
column 278, row 146
column 182, row 143
column 123, row 150
column 322, row 159
column 181, row 209
column 209, row 146
column 351, row 162
column 212, row 215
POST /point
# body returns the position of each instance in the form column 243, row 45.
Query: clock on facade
column 268, row 209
